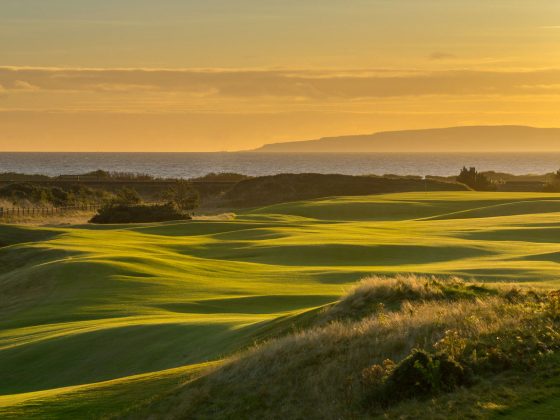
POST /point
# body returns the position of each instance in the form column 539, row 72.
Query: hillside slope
column 360, row 359
column 440, row 140
column 272, row 189
column 84, row 310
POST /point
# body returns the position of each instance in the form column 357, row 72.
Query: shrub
column 23, row 194
column 183, row 195
column 100, row 174
column 138, row 214
column 222, row 177
column 520, row 348
column 419, row 375
column 474, row 179
column 461, row 353
column 554, row 184
column 127, row 197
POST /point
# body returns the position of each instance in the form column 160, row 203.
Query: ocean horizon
column 194, row 164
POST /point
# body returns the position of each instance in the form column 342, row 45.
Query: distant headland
column 510, row 138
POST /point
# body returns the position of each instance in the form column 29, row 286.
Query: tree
column 474, row 179
column 100, row 173
column 183, row 195
column 554, row 183
column 128, row 197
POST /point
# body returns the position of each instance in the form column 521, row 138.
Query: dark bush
column 183, row 195
column 127, row 197
column 69, row 195
column 476, row 180
column 138, row 214
column 100, row 174
column 420, row 375
column 516, row 349
column 554, row 184
column 221, row 177
column 59, row 197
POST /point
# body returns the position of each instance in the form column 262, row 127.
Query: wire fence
column 45, row 211
column 6, row 212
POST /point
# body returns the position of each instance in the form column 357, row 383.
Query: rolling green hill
column 95, row 320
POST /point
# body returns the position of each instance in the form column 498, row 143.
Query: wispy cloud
column 26, row 86
column 311, row 85
column 438, row 55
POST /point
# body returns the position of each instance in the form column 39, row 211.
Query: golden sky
column 208, row 75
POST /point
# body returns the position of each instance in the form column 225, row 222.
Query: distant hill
column 454, row 139
column 265, row 190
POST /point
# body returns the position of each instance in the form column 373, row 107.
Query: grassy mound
column 291, row 187
column 376, row 294
column 440, row 340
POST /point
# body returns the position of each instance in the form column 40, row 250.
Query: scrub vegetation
column 29, row 194
column 437, row 339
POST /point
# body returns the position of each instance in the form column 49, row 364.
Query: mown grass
column 84, row 304
column 99, row 400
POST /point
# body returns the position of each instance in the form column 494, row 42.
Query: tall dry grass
column 316, row 373
column 376, row 293
column 70, row 217
column 217, row 217
column 6, row 203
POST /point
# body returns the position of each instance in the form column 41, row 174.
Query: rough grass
column 68, row 217
column 375, row 294
column 184, row 293
column 318, row 372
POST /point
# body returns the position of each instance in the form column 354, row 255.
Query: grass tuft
column 376, row 293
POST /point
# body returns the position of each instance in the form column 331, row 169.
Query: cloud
column 26, row 86
column 312, row 85
column 438, row 55
column 121, row 87
column 554, row 87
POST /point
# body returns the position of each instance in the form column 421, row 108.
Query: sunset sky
column 209, row 75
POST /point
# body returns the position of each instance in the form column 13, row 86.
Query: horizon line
column 258, row 149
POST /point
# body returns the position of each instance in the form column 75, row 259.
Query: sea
column 189, row 165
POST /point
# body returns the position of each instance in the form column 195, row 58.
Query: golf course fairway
column 95, row 319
